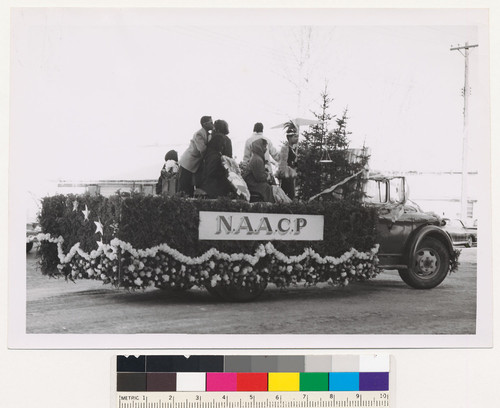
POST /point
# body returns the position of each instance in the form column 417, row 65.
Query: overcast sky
column 103, row 94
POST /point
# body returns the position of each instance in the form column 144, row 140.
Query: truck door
column 394, row 224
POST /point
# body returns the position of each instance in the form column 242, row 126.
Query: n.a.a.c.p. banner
column 216, row 225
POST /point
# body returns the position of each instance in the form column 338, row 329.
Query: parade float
column 346, row 225
column 235, row 248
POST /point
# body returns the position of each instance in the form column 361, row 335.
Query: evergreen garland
column 147, row 221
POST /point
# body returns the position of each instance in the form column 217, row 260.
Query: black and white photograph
column 221, row 176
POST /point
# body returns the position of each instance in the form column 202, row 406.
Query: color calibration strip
column 253, row 373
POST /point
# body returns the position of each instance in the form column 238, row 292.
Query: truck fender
column 418, row 235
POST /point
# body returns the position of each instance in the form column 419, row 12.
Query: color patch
column 131, row 382
column 252, row 381
column 211, row 364
column 374, row 363
column 264, row 364
column 191, row 382
column 373, row 381
column 284, row 382
column 238, row 364
column 344, row 382
column 181, row 364
column 318, row 364
column 161, row 381
column 345, row 364
column 221, row 382
column 290, row 364
column 172, row 364
column 314, row 382
column 131, row 364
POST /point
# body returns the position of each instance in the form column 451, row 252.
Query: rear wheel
column 213, row 290
column 428, row 265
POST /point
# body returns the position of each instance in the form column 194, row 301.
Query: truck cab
column 411, row 240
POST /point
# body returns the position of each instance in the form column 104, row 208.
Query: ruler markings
column 252, row 400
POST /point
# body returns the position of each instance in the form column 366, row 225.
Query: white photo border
column 18, row 338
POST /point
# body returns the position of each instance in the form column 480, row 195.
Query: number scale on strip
column 253, row 400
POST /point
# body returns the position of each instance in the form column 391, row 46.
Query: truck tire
column 428, row 265
column 233, row 293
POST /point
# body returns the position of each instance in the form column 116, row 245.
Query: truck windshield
column 376, row 191
column 397, row 190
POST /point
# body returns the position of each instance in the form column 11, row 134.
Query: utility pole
column 465, row 145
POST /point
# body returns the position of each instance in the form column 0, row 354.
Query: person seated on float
column 214, row 182
column 271, row 153
column 167, row 182
column 256, row 175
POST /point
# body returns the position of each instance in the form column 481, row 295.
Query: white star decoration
column 98, row 227
column 75, row 205
column 86, row 213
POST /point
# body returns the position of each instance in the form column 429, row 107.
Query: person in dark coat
column 214, row 175
column 255, row 174
column 221, row 127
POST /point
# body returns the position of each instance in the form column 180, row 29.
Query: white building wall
column 441, row 193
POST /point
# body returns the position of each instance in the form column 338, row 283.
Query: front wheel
column 428, row 265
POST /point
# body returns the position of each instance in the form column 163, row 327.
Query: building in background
column 107, row 187
column 440, row 192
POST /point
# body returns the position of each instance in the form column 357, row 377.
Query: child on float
column 169, row 175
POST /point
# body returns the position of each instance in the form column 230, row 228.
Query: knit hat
column 172, row 155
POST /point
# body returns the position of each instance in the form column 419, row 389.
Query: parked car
column 459, row 233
